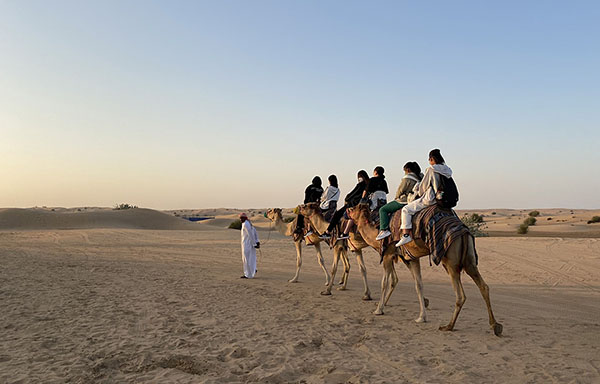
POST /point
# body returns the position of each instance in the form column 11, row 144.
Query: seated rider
column 351, row 200
column 312, row 194
column 330, row 198
column 377, row 189
column 412, row 175
column 426, row 192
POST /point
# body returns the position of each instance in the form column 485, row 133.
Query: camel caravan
column 419, row 222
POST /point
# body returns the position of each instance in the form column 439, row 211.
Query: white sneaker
column 308, row 233
column 404, row 240
column 383, row 234
column 325, row 236
column 343, row 237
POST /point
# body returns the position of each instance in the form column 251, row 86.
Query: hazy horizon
column 236, row 104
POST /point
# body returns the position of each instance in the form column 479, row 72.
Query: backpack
column 447, row 195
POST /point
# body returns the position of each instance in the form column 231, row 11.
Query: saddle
column 434, row 230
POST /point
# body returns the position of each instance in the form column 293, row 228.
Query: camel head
column 356, row 212
column 273, row 214
column 310, row 209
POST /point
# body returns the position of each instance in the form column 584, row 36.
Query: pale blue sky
column 239, row 104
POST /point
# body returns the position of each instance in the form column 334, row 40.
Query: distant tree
column 124, row 206
column 236, row 224
column 595, row 219
column 475, row 224
column 534, row 213
column 523, row 229
column 530, row 221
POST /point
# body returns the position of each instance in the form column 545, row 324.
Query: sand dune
column 138, row 218
column 121, row 305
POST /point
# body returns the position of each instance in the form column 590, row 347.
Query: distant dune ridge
column 559, row 222
column 137, row 218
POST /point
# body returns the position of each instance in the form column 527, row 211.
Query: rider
column 330, row 198
column 377, row 189
column 352, row 199
column 412, row 175
column 312, row 194
column 426, row 192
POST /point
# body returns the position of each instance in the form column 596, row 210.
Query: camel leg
column 322, row 264
column 388, row 267
column 363, row 272
column 344, row 257
column 454, row 273
column 344, row 278
column 298, row 245
column 393, row 283
column 415, row 269
column 473, row 271
column 336, row 259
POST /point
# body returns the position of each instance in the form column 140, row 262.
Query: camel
column 313, row 213
column 460, row 256
column 287, row 229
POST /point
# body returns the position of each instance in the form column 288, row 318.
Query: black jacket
column 312, row 194
column 377, row 183
column 353, row 198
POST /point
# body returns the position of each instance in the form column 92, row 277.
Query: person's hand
column 257, row 245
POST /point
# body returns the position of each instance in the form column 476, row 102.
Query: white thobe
column 249, row 240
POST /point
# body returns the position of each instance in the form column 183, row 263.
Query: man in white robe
column 250, row 243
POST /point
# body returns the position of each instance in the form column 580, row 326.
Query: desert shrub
column 595, row 219
column 493, row 213
column 523, row 229
column 124, row 206
column 530, row 221
column 534, row 213
column 288, row 219
column 475, row 224
column 236, row 224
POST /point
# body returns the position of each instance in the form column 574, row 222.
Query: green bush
column 236, row 224
column 595, row 219
column 288, row 219
column 534, row 213
column 530, row 221
column 124, row 206
column 475, row 224
column 523, row 229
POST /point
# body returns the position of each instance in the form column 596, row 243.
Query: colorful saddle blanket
column 434, row 227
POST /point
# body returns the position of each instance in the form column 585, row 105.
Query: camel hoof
column 497, row 329
column 341, row 282
column 426, row 302
column 325, row 293
column 293, row 281
column 378, row 312
column 445, row 328
column 342, row 288
column 421, row 320
column 367, row 298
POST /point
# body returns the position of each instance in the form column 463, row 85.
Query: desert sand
column 88, row 296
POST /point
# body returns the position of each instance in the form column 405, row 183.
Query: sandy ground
column 121, row 305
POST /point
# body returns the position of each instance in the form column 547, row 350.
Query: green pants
column 385, row 213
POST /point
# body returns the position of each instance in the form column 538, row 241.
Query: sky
column 205, row 104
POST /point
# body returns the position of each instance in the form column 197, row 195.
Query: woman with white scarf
column 425, row 195
column 330, row 197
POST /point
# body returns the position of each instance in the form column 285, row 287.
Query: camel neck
column 368, row 231
column 281, row 226
column 318, row 221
